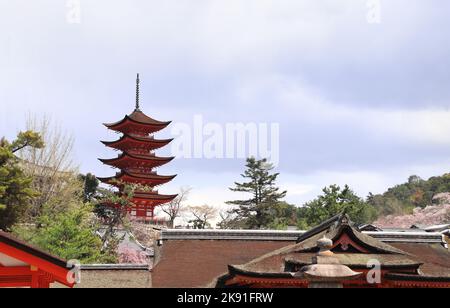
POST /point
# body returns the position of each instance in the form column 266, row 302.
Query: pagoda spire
column 137, row 93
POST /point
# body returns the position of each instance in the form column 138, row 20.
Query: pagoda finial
column 137, row 93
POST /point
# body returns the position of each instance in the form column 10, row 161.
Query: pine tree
column 15, row 187
column 259, row 210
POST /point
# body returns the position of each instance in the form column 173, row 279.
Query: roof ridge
column 321, row 227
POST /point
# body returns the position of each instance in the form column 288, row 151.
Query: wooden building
column 380, row 264
column 137, row 161
column 246, row 258
column 22, row 265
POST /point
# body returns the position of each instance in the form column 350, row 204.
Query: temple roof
column 142, row 142
column 228, row 235
column 18, row 249
column 190, row 250
column 135, row 120
column 333, row 229
column 152, row 196
column 137, row 178
column 139, row 117
column 14, row 242
column 356, row 260
column 198, row 261
column 148, row 160
column 148, row 200
column 352, row 248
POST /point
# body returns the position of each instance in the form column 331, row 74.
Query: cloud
column 318, row 133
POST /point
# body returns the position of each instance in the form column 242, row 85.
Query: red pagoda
column 137, row 161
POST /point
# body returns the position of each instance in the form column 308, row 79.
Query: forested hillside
column 416, row 193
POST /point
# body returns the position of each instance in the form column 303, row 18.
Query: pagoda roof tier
column 138, row 178
column 152, row 196
column 147, row 200
column 136, row 160
column 151, row 199
column 137, row 122
column 137, row 142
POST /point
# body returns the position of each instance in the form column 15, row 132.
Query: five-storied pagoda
column 137, row 161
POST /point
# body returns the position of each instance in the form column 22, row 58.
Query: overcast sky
column 357, row 101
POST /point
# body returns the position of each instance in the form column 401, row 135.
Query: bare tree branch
column 52, row 166
column 176, row 207
column 202, row 214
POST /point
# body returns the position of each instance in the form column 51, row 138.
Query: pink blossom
column 129, row 255
column 430, row 215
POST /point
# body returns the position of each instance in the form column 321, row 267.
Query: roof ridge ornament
column 345, row 219
column 137, row 93
column 326, row 271
column 325, row 245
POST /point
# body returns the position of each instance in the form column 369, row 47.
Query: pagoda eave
column 145, row 126
column 127, row 142
column 140, row 129
column 138, row 117
column 148, row 199
column 126, row 160
column 151, row 180
column 151, row 200
column 146, row 202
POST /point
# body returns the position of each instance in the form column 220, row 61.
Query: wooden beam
column 15, row 284
column 24, row 276
column 15, row 271
column 34, row 277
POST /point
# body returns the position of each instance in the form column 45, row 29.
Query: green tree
column 335, row 200
column 15, row 186
column 257, row 211
column 26, row 139
column 70, row 235
column 284, row 215
column 415, row 180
